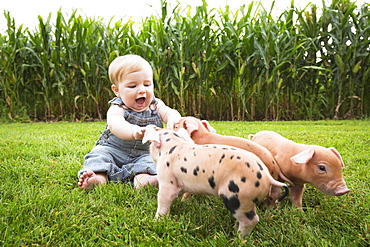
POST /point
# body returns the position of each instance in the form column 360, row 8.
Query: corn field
column 310, row 63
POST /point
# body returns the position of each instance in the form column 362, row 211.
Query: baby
column 119, row 154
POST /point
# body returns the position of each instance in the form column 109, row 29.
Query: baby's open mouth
column 140, row 101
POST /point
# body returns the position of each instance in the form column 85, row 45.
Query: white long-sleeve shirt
column 127, row 131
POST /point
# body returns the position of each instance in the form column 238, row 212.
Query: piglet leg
column 296, row 193
column 247, row 221
column 274, row 194
column 167, row 193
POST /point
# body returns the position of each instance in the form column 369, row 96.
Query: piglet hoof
column 186, row 197
column 158, row 216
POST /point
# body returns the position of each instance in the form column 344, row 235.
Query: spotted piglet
column 237, row 176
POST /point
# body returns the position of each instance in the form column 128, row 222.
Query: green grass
column 41, row 204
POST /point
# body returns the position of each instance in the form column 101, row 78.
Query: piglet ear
column 338, row 155
column 183, row 134
column 190, row 125
column 208, row 126
column 151, row 135
column 303, row 157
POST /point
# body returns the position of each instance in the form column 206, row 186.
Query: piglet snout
column 341, row 191
column 335, row 188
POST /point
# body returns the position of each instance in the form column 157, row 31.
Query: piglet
column 201, row 132
column 237, row 176
column 321, row 167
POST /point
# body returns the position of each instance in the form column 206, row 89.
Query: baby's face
column 136, row 90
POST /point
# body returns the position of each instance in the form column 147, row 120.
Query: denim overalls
column 122, row 159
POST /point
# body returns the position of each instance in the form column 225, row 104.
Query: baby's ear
column 115, row 89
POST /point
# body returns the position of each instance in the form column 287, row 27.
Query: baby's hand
column 139, row 133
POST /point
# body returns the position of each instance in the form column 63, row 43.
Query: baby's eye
column 147, row 84
column 131, row 86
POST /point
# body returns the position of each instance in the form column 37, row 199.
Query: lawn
column 41, row 204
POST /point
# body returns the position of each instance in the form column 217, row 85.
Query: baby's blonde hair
column 124, row 65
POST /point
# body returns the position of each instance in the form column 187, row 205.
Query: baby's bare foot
column 143, row 180
column 89, row 178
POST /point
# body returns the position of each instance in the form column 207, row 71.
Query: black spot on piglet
column 171, row 150
column 261, row 168
column 222, row 157
column 233, row 187
column 257, row 184
column 211, row 182
column 232, row 203
column 184, row 170
column 196, row 170
column 250, row 215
